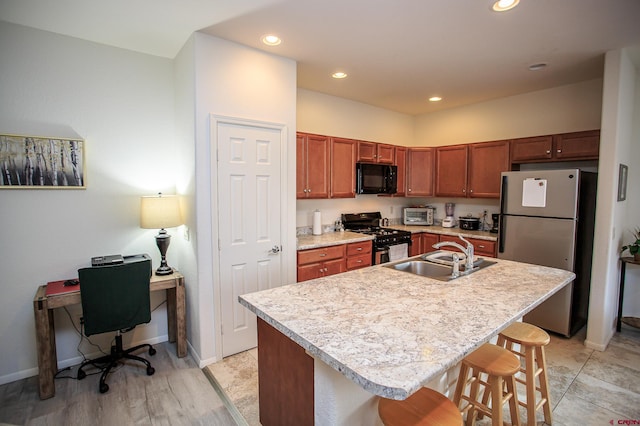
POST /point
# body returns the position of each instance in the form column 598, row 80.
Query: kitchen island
column 328, row 346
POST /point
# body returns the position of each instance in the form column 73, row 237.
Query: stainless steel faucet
column 468, row 251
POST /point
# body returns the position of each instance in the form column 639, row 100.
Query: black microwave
column 376, row 179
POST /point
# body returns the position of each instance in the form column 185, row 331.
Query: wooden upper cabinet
column 371, row 152
column 400, row 156
column 539, row 148
column 451, row 171
column 343, row 168
column 312, row 166
column 420, row 163
column 578, row 145
column 487, row 161
column 562, row 147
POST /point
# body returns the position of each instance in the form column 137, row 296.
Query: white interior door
column 249, row 211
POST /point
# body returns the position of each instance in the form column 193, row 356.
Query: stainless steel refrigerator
column 547, row 218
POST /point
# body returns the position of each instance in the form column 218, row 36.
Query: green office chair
column 115, row 298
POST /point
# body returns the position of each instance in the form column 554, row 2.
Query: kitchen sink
column 437, row 271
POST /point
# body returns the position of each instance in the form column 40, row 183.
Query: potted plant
column 634, row 248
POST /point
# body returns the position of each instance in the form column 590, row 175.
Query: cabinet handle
column 359, row 249
column 322, row 254
column 308, row 190
column 481, row 246
column 559, row 151
column 359, row 261
column 471, row 190
column 326, row 269
column 409, row 189
column 548, row 152
column 464, row 190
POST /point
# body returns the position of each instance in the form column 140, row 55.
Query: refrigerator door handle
column 503, row 193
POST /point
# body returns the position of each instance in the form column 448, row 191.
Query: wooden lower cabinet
column 428, row 240
column 480, row 247
column 359, row 255
column 285, row 380
column 321, row 262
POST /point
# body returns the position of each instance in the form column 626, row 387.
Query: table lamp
column 161, row 211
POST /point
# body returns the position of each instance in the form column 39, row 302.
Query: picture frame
column 36, row 162
column 623, row 173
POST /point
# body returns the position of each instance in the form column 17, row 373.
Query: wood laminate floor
column 178, row 393
column 588, row 388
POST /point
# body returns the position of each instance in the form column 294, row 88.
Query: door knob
column 275, row 250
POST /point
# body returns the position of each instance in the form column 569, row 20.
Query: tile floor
column 588, row 387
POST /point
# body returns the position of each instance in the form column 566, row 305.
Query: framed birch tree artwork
column 41, row 162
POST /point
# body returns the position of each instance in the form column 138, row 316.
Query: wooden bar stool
column 532, row 341
column 500, row 367
column 425, row 407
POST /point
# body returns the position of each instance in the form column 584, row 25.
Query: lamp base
column 164, row 270
column 162, row 240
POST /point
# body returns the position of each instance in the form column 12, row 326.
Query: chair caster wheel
column 150, row 371
column 81, row 375
column 104, row 388
column 152, row 351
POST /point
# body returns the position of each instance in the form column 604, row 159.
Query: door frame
column 214, row 121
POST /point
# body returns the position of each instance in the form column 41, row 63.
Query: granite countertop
column 306, row 242
column 389, row 331
column 434, row 229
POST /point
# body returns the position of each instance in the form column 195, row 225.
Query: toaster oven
column 418, row 215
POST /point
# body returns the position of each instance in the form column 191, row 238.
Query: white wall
column 562, row 109
column 612, row 217
column 121, row 103
column 235, row 81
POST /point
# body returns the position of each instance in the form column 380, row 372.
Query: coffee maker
column 449, row 221
column 495, row 219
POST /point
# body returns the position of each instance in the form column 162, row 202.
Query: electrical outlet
column 185, row 233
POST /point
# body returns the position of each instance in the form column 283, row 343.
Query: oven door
column 381, row 255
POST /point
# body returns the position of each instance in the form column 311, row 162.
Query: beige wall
column 333, row 116
column 562, row 109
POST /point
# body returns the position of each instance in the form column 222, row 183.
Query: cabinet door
column 428, row 240
column 301, row 166
column 400, row 156
column 332, row 267
column 532, row 149
column 451, row 171
column 420, row 172
column 416, row 245
column 312, row 166
column 578, row 145
column 310, row 272
column 384, row 153
column 366, row 152
column 343, row 168
column 486, row 162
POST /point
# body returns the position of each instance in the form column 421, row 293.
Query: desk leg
column 46, row 346
column 176, row 317
column 621, row 296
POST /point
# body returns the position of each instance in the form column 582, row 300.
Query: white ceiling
column 397, row 52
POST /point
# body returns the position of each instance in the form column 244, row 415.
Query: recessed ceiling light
column 504, row 5
column 339, row 74
column 435, row 99
column 271, row 40
column 536, row 67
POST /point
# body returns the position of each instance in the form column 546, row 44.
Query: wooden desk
column 623, row 269
column 44, row 305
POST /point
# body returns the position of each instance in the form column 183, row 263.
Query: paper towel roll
column 317, row 223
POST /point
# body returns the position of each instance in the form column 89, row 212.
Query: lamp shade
column 160, row 211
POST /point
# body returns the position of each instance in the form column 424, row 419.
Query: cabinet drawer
column 360, row 261
column 355, row 249
column 320, row 254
